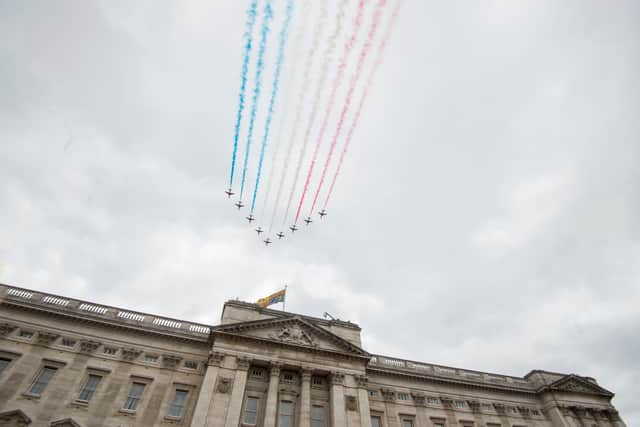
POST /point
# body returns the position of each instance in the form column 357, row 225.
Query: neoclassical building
column 66, row 362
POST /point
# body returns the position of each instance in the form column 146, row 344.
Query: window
column 459, row 404
column 403, row 396
column 68, row 342
column 487, row 406
column 134, row 396
column 250, row 411
column 407, row 423
column 25, row 334
column 190, row 364
column 89, row 387
column 3, row 364
column 286, row 414
column 110, row 350
column 433, row 400
column 150, row 358
column 376, row 421
column 42, row 380
column 373, row 393
column 177, row 406
column 317, row 416
column 438, row 424
column 317, row 381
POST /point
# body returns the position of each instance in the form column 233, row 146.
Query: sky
column 487, row 215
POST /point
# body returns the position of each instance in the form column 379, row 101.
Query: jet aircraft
column 239, row 204
column 251, row 218
column 293, row 228
column 229, row 193
column 259, row 230
column 267, row 241
column 280, row 235
column 308, row 220
column 322, row 213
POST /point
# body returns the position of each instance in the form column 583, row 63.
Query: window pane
column 43, row 379
column 317, row 416
column 286, row 411
column 3, row 364
column 177, row 406
column 134, row 396
column 251, row 411
column 89, row 387
column 407, row 423
column 375, row 422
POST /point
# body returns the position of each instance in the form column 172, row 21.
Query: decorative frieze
column 524, row 411
column 130, row 354
column 388, row 394
column 171, row 361
column 46, row 338
column 474, row 405
column 6, row 329
column 500, row 408
column 88, row 346
column 293, row 335
column 419, row 398
column 362, row 380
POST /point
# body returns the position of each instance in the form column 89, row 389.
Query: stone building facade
column 65, row 362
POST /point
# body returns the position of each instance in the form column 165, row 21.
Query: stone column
column 338, row 413
column 237, row 395
column 272, row 396
column 363, row 401
column 305, row 398
column 420, row 400
column 205, row 397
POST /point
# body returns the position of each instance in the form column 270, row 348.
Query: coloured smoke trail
column 274, row 93
column 248, row 36
column 336, row 83
column 286, row 106
column 303, row 93
column 363, row 98
column 347, row 103
column 267, row 16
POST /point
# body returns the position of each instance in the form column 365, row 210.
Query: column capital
column 243, row 363
column 215, row 358
column 337, row 378
column 305, row 373
column 275, row 368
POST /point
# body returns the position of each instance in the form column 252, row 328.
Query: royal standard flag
column 272, row 299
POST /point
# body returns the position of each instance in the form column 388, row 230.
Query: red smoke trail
column 336, row 83
column 356, row 119
column 347, row 102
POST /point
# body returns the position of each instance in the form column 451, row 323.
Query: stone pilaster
column 205, row 397
column 338, row 412
column 237, row 395
column 363, row 401
column 305, row 398
column 272, row 396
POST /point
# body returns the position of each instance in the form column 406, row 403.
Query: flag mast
column 284, row 300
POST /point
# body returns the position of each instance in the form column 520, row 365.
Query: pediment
column 15, row 417
column 292, row 331
column 576, row 384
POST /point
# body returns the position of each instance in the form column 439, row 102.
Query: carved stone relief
column 130, row 354
column 351, row 403
column 171, row 361
column 419, row 398
column 224, row 385
column 294, row 335
column 6, row 329
column 388, row 394
column 215, row 358
column 46, row 338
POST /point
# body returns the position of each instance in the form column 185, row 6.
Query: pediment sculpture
column 294, row 335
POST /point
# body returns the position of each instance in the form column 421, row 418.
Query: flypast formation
column 335, row 62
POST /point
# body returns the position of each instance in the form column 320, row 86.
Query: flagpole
column 284, row 300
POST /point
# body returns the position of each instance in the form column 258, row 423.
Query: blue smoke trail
column 266, row 20
column 274, row 92
column 248, row 35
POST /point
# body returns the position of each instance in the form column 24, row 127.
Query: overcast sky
column 487, row 216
